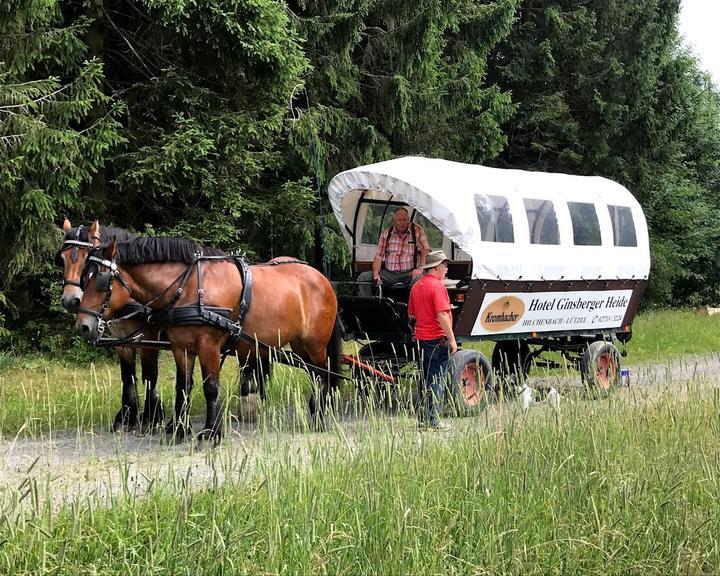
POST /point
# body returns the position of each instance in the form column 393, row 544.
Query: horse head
column 100, row 300
column 72, row 256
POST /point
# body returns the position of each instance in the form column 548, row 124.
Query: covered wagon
column 541, row 261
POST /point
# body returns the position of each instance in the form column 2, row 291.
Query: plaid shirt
column 397, row 250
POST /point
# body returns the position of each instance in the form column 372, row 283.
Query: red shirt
column 428, row 297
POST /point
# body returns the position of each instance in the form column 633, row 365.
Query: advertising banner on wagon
column 510, row 313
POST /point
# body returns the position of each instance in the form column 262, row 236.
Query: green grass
column 630, row 485
column 659, row 335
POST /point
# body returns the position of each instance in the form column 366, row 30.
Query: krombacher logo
column 502, row 313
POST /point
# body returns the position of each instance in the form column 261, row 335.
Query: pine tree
column 602, row 88
column 207, row 87
column 49, row 148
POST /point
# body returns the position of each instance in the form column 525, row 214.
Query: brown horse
column 72, row 256
column 291, row 303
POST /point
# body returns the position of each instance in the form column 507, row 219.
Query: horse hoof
column 153, row 418
column 125, row 421
column 209, row 435
column 177, row 432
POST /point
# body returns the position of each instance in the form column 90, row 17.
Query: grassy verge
column 630, row 485
column 665, row 334
column 38, row 396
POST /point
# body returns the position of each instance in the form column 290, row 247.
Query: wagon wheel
column 600, row 366
column 471, row 382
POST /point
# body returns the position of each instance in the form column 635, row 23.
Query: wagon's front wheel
column 600, row 365
column 471, row 381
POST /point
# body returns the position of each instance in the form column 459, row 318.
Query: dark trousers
column 389, row 279
column 435, row 357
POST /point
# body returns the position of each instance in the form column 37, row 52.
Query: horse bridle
column 74, row 244
column 103, row 283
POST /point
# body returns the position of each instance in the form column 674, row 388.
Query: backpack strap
column 415, row 246
column 387, row 243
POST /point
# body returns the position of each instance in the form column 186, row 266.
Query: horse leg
column 327, row 398
column 327, row 357
column 263, row 371
column 127, row 417
column 253, row 379
column 153, row 413
column 179, row 425
column 209, row 356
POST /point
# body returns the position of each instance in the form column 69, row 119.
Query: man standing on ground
column 400, row 254
column 429, row 308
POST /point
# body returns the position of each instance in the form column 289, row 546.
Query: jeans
column 435, row 356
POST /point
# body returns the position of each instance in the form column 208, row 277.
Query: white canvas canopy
column 455, row 197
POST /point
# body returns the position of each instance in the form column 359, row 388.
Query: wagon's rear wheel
column 471, row 381
column 600, row 366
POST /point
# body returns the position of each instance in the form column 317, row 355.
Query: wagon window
column 434, row 236
column 586, row 229
column 542, row 221
column 495, row 219
column 378, row 216
column 622, row 225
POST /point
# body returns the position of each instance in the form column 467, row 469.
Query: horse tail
column 334, row 352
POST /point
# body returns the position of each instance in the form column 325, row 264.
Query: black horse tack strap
column 199, row 314
column 190, row 316
column 73, row 244
column 217, row 317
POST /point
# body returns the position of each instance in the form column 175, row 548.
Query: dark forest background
column 203, row 119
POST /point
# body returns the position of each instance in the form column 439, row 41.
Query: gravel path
column 70, row 466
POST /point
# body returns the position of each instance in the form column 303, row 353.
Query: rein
column 104, row 283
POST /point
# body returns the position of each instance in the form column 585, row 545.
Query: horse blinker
column 102, row 281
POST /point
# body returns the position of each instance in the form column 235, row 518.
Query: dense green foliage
column 206, row 119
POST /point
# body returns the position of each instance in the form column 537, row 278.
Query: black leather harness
column 73, row 244
column 170, row 314
column 199, row 314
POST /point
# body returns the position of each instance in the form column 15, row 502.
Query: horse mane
column 160, row 249
column 107, row 233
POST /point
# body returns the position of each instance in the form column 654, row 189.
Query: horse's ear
column 67, row 226
column 111, row 250
column 95, row 230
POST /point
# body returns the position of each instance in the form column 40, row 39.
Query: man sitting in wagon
column 400, row 255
